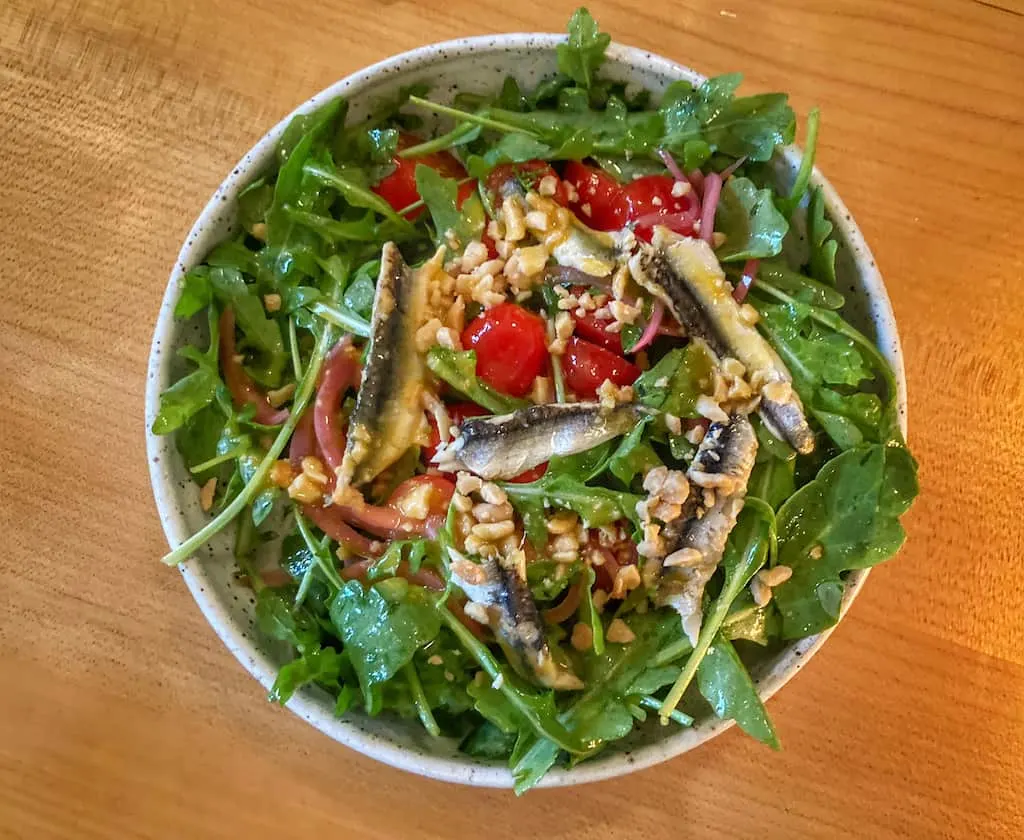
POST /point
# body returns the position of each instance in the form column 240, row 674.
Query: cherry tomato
column 586, row 366
column 593, row 329
column 399, row 188
column 457, row 412
column 651, row 203
column 435, row 491
column 531, row 474
column 529, row 175
column 511, row 347
column 602, row 202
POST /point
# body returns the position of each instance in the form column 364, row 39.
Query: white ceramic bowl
column 470, row 64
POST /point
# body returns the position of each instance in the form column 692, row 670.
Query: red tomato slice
column 586, row 366
column 457, row 412
column 438, row 492
column 651, row 203
column 602, row 202
column 399, row 188
column 531, row 474
column 511, row 347
column 529, row 175
column 593, row 329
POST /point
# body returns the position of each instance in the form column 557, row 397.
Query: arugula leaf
column 358, row 295
column 196, row 292
column 347, row 183
column 847, row 518
column 677, row 380
column 596, row 506
column 511, row 148
column 303, row 133
column 322, row 665
column 455, row 226
column 458, row 369
column 261, row 333
column 822, row 262
column 582, row 56
column 196, row 440
column 600, row 714
column 488, row 741
column 634, row 456
column 803, row 175
column 773, row 477
column 585, row 465
column 802, row 288
column 305, row 125
column 381, row 635
column 825, row 366
column 740, row 127
column 254, row 203
column 752, row 225
column 547, row 578
column 194, row 392
column 748, row 622
column 278, row 619
column 726, row 685
column 588, row 613
column 184, row 398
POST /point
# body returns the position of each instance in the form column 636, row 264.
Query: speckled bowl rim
column 256, row 662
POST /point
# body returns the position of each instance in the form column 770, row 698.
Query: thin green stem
column 439, row 144
column 654, row 704
column 416, row 205
column 213, row 462
column 803, row 175
column 422, row 706
column 354, row 194
column 674, row 651
column 322, row 557
column 348, row 321
column 293, row 343
column 254, row 485
column 467, row 116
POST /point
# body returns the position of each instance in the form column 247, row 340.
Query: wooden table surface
column 123, row 716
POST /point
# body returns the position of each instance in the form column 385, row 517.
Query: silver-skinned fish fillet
column 500, row 586
column 387, row 419
column 684, row 274
column 503, row 447
column 696, row 539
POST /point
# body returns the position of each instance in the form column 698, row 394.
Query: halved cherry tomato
column 528, row 174
column 511, row 347
column 593, row 329
column 586, row 366
column 457, row 412
column 651, row 203
column 531, row 474
column 399, row 188
column 602, row 202
column 436, row 490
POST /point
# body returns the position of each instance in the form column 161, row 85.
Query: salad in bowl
column 534, row 412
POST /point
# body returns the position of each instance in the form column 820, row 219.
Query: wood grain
column 122, row 715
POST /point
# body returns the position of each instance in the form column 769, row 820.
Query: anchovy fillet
column 500, row 586
column 387, row 418
column 503, row 447
column 684, row 274
column 698, row 536
column 725, row 457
